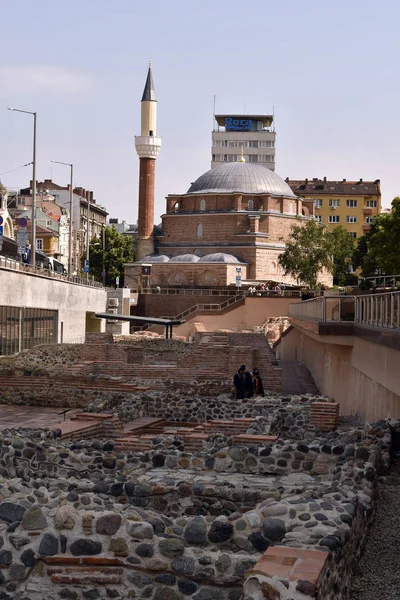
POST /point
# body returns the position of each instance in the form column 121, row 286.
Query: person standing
column 239, row 381
column 258, row 387
column 249, row 393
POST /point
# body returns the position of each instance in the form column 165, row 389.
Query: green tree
column 118, row 251
column 341, row 247
column 377, row 252
column 308, row 251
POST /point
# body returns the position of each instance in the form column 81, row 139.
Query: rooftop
column 317, row 186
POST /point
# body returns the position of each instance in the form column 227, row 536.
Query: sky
column 330, row 71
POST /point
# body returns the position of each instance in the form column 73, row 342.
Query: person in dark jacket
column 258, row 387
column 239, row 381
column 248, row 385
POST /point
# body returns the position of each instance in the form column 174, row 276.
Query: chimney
column 315, row 178
column 325, row 179
column 90, row 196
column 306, row 181
column 287, row 179
column 377, row 181
column 343, row 180
column 361, row 180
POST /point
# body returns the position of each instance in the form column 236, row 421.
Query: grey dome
column 155, row 258
column 185, row 258
column 241, row 177
column 220, row 257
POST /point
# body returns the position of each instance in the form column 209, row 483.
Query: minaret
column 147, row 146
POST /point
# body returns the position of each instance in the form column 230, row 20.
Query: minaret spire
column 148, row 146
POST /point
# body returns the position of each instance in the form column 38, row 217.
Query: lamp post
column 71, row 195
column 104, row 256
column 33, row 218
column 87, row 238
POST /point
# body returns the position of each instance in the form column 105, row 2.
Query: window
column 213, row 156
column 253, row 144
column 351, row 219
column 224, row 143
column 199, row 230
column 333, row 219
column 39, row 244
column 176, row 206
column 253, row 158
column 333, row 203
column 202, row 205
column 318, row 203
column 368, row 220
column 265, row 144
column 319, row 218
column 351, row 203
column 353, row 234
column 371, row 203
column 224, row 157
column 250, row 205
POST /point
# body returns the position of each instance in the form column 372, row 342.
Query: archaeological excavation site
column 130, row 470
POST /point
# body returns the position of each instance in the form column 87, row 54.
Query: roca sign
column 232, row 124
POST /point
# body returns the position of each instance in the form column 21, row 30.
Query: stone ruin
column 171, row 494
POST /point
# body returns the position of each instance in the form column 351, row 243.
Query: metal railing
column 324, row 308
column 15, row 265
column 218, row 292
column 382, row 281
column 378, row 310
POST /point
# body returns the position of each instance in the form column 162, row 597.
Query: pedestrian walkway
column 378, row 574
column 296, row 379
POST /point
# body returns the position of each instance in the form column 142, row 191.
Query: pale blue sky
column 330, row 69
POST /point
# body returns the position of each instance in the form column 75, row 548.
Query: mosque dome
column 241, row 177
column 185, row 258
column 220, row 257
column 154, row 258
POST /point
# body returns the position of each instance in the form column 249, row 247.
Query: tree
column 308, row 252
column 377, row 252
column 118, row 251
column 341, row 247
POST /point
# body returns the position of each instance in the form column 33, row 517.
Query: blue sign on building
column 232, row 124
column 86, row 267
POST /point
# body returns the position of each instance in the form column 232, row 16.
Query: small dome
column 155, row 258
column 241, row 177
column 185, row 258
column 220, row 257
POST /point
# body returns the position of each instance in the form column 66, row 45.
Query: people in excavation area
column 258, row 387
column 243, row 383
column 239, row 381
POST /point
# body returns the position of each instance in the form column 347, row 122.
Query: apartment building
column 252, row 135
column 351, row 204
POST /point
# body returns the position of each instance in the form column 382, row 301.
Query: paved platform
column 33, row 417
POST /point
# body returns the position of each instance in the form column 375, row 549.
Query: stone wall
column 83, row 521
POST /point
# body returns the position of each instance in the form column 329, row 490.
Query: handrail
column 198, row 307
column 378, row 310
column 324, row 308
column 10, row 264
column 215, row 292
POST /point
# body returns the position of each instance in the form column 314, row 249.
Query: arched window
column 291, row 208
column 199, row 230
column 273, row 266
column 203, row 205
column 250, row 205
column 176, row 206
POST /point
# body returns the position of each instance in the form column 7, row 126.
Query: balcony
column 367, row 211
column 366, row 227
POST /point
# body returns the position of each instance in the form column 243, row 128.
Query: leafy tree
column 308, row 251
column 341, row 247
column 118, row 251
column 378, row 251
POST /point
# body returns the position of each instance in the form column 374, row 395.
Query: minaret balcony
column 147, row 146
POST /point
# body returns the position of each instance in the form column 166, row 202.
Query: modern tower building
column 148, row 146
column 254, row 133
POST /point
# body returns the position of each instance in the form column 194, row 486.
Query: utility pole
column 33, row 217
column 104, row 256
column 87, row 237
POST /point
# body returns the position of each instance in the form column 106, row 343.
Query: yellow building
column 351, row 204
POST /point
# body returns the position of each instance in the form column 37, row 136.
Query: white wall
column 72, row 301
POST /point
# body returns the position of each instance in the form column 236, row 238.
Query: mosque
column 230, row 225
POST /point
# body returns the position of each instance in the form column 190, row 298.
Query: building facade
column 351, row 204
column 82, row 203
column 254, row 135
column 233, row 220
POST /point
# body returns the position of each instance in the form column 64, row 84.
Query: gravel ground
column 378, row 574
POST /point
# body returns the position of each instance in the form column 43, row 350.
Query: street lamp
column 71, row 194
column 33, row 219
